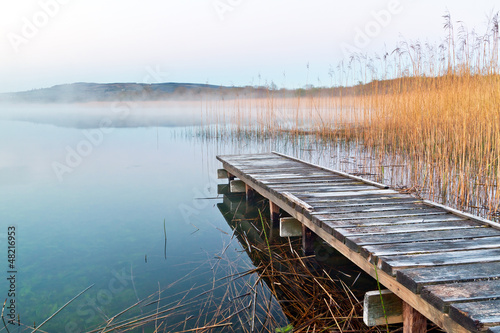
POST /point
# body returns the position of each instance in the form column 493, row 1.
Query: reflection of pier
column 297, row 282
column 443, row 264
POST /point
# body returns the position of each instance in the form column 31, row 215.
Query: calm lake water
column 91, row 206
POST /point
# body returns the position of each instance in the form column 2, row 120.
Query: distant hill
column 90, row 92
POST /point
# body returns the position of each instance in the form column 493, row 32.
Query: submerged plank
column 476, row 316
column 416, row 278
column 391, row 264
column 441, row 296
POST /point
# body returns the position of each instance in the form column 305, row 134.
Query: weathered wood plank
column 477, row 316
column 290, row 227
column 286, row 176
column 237, row 186
column 373, row 311
column 331, row 224
column 356, row 204
column 403, row 228
column 354, row 242
column 282, row 169
column 416, row 278
column 325, row 189
column 342, row 211
column 316, row 185
column 391, row 264
column 421, row 214
column 296, row 201
column 441, row 296
column 345, row 194
column 340, row 173
column 369, row 197
column 371, row 251
column 309, row 181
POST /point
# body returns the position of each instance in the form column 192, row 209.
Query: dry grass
column 431, row 110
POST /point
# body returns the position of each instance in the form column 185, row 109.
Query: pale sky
column 223, row 42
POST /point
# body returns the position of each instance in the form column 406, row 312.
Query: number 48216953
column 11, row 238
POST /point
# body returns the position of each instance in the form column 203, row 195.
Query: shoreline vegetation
column 433, row 129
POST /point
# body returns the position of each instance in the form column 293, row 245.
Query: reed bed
column 429, row 116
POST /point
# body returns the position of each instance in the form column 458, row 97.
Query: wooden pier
column 443, row 264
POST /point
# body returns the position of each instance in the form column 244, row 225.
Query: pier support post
column 275, row 215
column 308, row 239
column 413, row 321
column 250, row 192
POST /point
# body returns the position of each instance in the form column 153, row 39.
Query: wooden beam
column 413, row 321
column 237, row 186
column 222, row 174
column 290, row 227
column 375, row 314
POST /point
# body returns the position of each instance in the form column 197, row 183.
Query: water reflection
column 322, row 290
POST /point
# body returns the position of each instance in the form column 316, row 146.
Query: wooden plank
column 385, row 221
column 285, row 176
column 290, row 227
column 344, row 204
column 327, row 179
column 374, row 314
column 345, row 194
column 222, row 174
column 416, row 278
column 315, row 185
column 330, row 189
column 282, row 170
column 413, row 321
column 237, row 186
column 354, row 242
column 476, row 316
column 371, row 251
column 342, row 211
column 403, row 228
column 391, row 264
column 370, row 197
column 296, row 201
column 346, row 220
column 334, row 171
column 441, row 296
column 495, row 225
